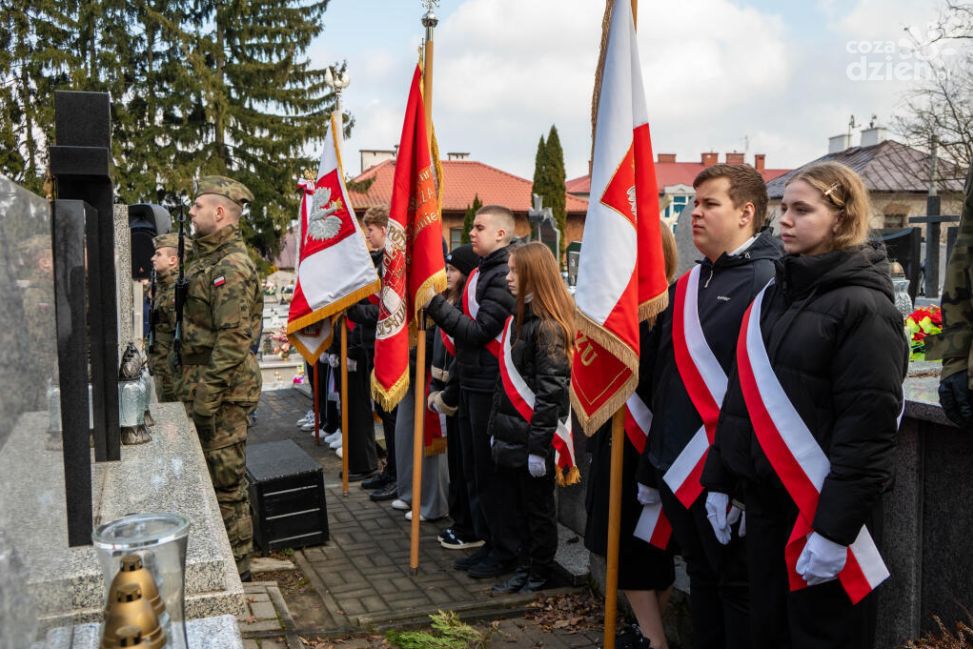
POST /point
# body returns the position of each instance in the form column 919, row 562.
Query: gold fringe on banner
column 567, row 478
column 390, row 398
column 652, row 308
column 590, row 423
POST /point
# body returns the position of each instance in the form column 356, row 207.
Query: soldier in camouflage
column 956, row 341
column 220, row 378
column 165, row 261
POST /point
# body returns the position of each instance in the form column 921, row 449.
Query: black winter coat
column 539, row 351
column 365, row 316
column 837, row 345
column 478, row 369
column 726, row 289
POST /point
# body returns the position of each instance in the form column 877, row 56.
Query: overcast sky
column 760, row 76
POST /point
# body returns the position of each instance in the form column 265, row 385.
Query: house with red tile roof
column 675, row 179
column 463, row 179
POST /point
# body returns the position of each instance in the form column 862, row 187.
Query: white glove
column 537, row 466
column 821, row 560
column 720, row 519
column 742, row 530
column 648, row 495
column 432, row 403
column 333, row 360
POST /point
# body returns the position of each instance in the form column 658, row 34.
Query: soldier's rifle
column 182, row 284
column 153, row 316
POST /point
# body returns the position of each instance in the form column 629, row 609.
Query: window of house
column 455, row 237
column 676, row 205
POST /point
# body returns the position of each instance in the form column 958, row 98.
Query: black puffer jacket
column 726, row 289
column 837, row 345
column 478, row 369
column 538, row 351
column 364, row 314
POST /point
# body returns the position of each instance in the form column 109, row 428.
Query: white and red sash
column 705, row 382
column 797, row 458
column 448, row 342
column 471, row 307
column 522, row 398
column 653, row 527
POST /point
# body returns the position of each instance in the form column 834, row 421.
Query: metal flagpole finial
column 430, row 20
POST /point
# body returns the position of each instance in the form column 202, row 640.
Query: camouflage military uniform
column 164, row 324
column 220, row 379
column 955, row 344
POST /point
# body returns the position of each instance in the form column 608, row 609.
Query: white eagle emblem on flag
column 322, row 224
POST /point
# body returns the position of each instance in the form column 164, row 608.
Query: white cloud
column 718, row 73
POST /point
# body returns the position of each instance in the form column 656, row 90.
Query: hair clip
column 831, row 189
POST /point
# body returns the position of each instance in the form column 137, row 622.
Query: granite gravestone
column 27, row 295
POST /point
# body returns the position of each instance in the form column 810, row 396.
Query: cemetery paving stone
column 362, row 576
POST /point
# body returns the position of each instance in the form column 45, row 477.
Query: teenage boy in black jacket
column 727, row 221
column 361, row 349
column 476, row 363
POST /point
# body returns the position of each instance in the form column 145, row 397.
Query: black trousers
column 481, row 475
column 458, row 496
column 362, row 457
column 388, row 429
column 530, row 517
column 328, row 412
column 718, row 590
column 817, row 617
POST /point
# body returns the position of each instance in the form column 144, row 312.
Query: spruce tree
column 471, row 211
column 264, row 103
column 549, row 179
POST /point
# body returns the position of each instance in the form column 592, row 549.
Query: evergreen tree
column 197, row 87
column 469, row 216
column 540, row 170
column 549, row 179
column 264, row 103
column 557, row 200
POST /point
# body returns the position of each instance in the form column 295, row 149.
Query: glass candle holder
column 160, row 540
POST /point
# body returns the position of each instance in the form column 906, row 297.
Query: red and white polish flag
column 621, row 274
column 334, row 269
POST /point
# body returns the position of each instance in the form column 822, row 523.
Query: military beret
column 223, row 186
column 169, row 240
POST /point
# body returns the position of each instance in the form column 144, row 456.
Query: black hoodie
column 726, row 288
column 838, row 348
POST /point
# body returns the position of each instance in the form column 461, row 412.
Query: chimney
column 758, row 161
column 874, row 135
column 457, row 155
column 838, row 143
column 734, row 158
column 666, row 157
column 710, row 158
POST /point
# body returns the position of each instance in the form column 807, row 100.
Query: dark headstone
column 80, row 164
column 69, row 290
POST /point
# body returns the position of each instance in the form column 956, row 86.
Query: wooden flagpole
column 419, row 388
column 615, row 500
column 344, row 404
column 418, row 436
column 614, row 526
